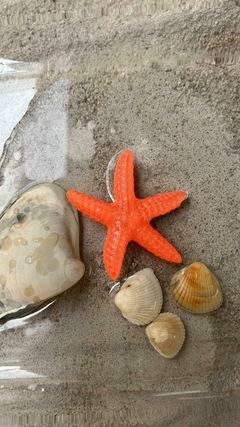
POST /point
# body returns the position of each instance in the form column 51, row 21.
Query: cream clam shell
column 39, row 248
column 196, row 289
column 166, row 334
column 140, row 298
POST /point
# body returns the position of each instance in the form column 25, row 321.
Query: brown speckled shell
column 39, row 248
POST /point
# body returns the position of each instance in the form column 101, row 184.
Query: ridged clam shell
column 39, row 248
column 140, row 298
column 166, row 334
column 195, row 289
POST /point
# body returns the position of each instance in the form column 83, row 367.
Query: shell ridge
column 140, row 298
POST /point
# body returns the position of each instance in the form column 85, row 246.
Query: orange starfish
column 128, row 217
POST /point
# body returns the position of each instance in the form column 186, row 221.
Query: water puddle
column 15, row 372
column 46, row 133
column 18, row 85
column 22, row 317
column 37, row 148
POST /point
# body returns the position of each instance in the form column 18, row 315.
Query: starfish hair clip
column 128, row 218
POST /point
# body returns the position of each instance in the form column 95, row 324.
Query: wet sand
column 162, row 81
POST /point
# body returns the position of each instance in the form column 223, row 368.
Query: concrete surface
column 162, row 79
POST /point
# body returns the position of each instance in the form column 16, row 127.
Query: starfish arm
column 123, row 179
column 114, row 250
column 161, row 204
column 155, row 243
column 96, row 209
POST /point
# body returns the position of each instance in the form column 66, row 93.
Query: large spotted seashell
column 39, row 248
column 166, row 334
column 140, row 298
column 196, row 289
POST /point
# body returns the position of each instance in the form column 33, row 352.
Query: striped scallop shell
column 195, row 289
column 166, row 334
column 140, row 298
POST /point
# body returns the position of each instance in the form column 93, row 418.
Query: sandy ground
column 162, row 79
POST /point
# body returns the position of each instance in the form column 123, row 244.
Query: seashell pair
column 140, row 301
column 39, row 248
column 195, row 289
